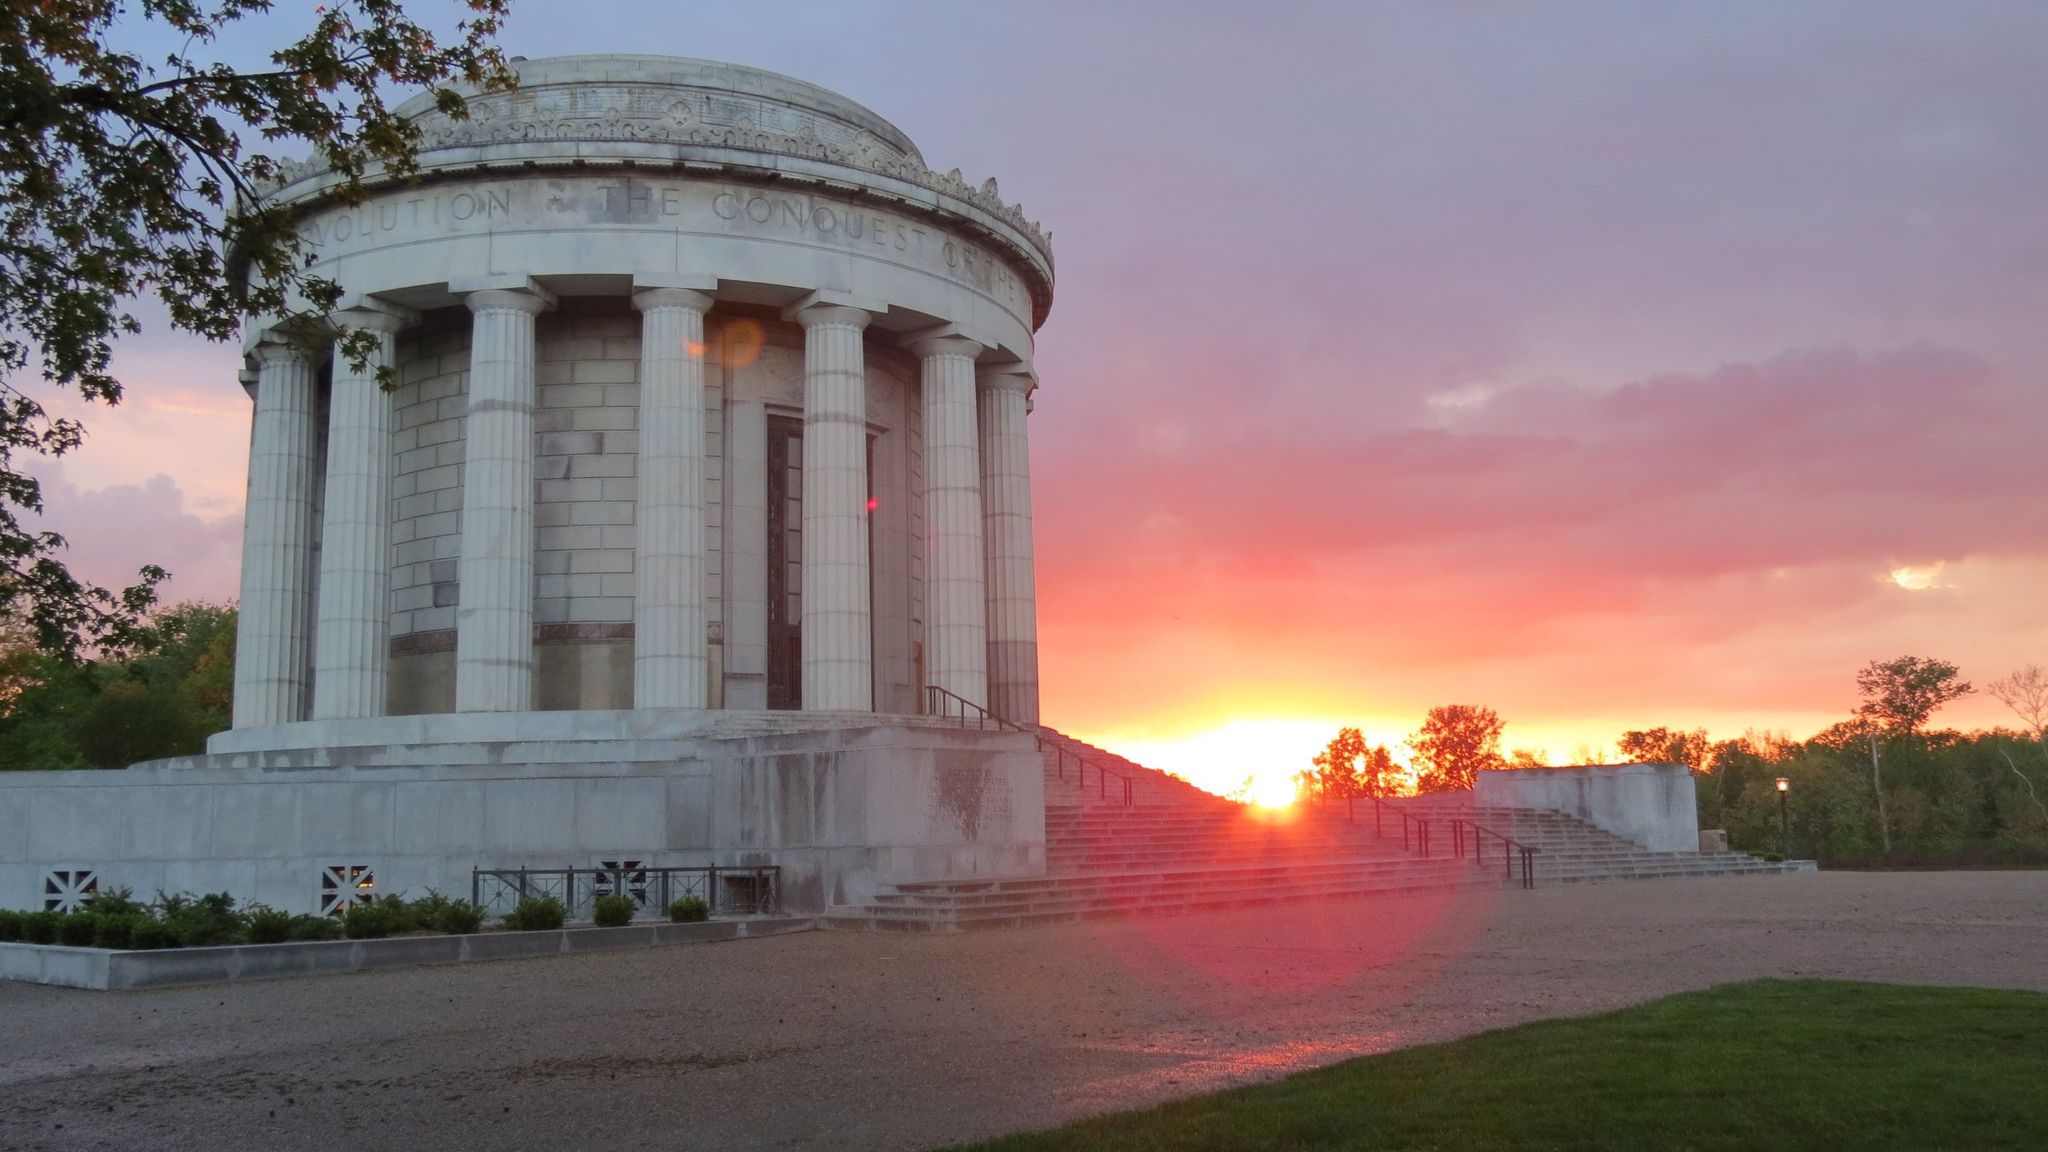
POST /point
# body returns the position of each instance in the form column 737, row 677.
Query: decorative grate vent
column 627, row 876
column 70, row 889
column 344, row 884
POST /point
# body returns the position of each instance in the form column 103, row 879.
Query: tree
column 1350, row 766
column 120, row 176
column 1664, row 746
column 1335, row 772
column 1378, row 775
column 2025, row 692
column 1527, row 758
column 163, row 699
column 1456, row 743
column 1898, row 697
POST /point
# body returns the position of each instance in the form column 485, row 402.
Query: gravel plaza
column 854, row 1040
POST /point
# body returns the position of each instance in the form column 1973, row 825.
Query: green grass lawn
column 1768, row 1065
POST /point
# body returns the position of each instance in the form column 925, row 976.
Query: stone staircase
column 1073, row 776
column 1177, row 849
column 1571, row 851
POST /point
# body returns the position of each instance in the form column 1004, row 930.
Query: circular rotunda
column 676, row 524
column 710, row 395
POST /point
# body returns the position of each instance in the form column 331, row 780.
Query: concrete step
column 1149, row 890
column 1176, row 849
column 883, row 918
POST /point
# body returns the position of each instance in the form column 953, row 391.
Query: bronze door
column 785, row 562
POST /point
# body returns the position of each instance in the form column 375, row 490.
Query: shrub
column 689, row 910
column 116, row 902
column 153, row 934
column 76, row 929
column 306, row 927
column 458, row 918
column 537, row 914
column 268, row 925
column 117, row 931
column 614, row 911
column 373, row 921
column 426, row 911
column 40, row 927
column 401, row 914
column 201, row 921
column 10, row 925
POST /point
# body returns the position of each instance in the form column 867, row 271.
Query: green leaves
column 119, row 178
column 1899, row 695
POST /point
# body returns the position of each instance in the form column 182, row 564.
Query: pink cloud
column 112, row 532
column 1601, row 533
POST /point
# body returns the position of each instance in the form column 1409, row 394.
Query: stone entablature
column 705, row 120
column 653, row 223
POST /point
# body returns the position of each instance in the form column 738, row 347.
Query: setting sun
column 1272, row 790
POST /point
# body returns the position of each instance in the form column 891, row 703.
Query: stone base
column 102, row 970
column 844, row 804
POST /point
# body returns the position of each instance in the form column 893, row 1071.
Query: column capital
column 649, row 298
column 507, row 300
column 1008, row 378
column 280, row 349
column 945, row 344
column 373, row 318
column 820, row 314
column 517, row 293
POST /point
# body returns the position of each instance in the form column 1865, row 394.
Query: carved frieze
column 640, row 113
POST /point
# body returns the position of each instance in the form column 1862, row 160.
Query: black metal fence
column 750, row 891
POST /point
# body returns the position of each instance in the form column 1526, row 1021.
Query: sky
column 1609, row 365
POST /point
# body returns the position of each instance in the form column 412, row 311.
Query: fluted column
column 494, row 612
column 277, row 543
column 838, row 644
column 1012, row 585
column 955, row 611
column 352, row 621
column 669, row 669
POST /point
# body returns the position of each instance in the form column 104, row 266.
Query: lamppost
column 1784, row 821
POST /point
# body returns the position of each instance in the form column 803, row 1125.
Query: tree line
column 1881, row 786
column 162, row 693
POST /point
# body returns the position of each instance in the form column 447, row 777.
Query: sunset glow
column 1562, row 378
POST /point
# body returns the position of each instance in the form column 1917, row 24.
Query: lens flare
column 744, row 340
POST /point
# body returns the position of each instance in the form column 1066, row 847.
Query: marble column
column 352, row 622
column 1012, row 586
column 271, row 634
column 955, row 611
column 838, row 642
column 494, row 611
column 669, row 648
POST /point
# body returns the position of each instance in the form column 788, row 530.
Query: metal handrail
column 1510, row 848
column 1414, row 829
column 951, row 705
column 1102, row 771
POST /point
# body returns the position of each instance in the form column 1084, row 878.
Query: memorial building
column 696, row 514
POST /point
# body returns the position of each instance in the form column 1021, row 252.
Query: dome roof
column 709, row 93
column 700, row 119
